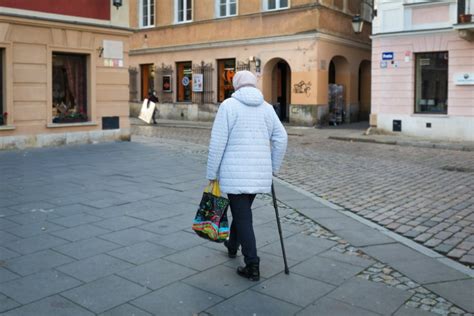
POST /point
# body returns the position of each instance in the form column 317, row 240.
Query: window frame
column 277, row 5
column 150, row 14
column 227, row 8
column 185, row 9
column 88, row 65
column 415, row 105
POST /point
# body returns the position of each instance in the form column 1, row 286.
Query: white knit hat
column 244, row 78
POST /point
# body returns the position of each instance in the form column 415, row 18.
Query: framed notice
column 166, row 83
column 197, row 83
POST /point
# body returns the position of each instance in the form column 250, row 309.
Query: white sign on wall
column 197, row 82
column 464, row 79
column 113, row 49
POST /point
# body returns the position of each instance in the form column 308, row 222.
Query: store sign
column 464, row 79
column 197, row 83
column 388, row 55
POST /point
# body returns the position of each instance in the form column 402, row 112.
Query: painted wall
column 28, row 47
column 94, row 9
column 393, row 91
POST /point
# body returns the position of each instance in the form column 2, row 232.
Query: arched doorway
column 276, row 86
column 338, row 84
column 364, row 90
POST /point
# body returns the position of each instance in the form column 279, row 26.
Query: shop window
column 184, row 10
column 226, row 71
column 431, row 83
column 275, row 4
column 3, row 112
column 185, row 78
column 69, row 88
column 226, row 8
column 147, row 13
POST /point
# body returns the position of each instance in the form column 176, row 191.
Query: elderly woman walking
column 248, row 143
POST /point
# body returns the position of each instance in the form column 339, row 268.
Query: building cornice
column 47, row 22
column 250, row 42
column 413, row 32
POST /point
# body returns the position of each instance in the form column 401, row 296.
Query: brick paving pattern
column 421, row 193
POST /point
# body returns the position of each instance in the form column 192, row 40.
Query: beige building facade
column 189, row 50
column 64, row 73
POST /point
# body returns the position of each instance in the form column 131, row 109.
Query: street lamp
column 358, row 21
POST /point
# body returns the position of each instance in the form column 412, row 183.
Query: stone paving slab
column 460, row 292
column 36, row 286
column 328, row 306
column 97, row 296
column 126, row 269
column 177, row 299
column 369, row 295
column 157, row 274
column 253, row 303
column 303, row 292
column 125, row 310
column 54, row 305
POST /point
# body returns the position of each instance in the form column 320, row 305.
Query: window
column 147, row 13
column 226, row 8
column 226, row 71
column 185, row 79
column 431, row 92
column 69, row 88
column 3, row 114
column 184, row 10
column 275, row 4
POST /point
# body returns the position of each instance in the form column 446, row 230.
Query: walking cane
column 287, row 271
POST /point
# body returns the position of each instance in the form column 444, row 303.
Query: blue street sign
column 387, row 55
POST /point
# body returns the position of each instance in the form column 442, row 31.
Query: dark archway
column 277, row 86
column 364, row 90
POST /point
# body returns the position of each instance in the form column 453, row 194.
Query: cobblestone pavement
column 421, row 193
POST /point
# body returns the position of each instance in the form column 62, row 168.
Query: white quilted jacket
column 248, row 143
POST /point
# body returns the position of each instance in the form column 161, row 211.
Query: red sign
column 93, row 9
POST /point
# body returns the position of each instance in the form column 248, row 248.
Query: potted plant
column 3, row 118
column 465, row 18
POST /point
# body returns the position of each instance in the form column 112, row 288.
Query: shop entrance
column 338, row 81
column 147, row 82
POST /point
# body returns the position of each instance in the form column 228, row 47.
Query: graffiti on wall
column 302, row 87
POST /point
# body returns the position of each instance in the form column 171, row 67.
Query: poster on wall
column 166, row 83
column 197, row 83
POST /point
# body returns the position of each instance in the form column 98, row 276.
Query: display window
column 69, row 88
column 184, row 81
column 431, row 83
column 226, row 71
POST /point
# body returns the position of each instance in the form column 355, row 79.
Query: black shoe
column 231, row 253
column 251, row 271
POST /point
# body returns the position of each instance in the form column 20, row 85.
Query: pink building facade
column 423, row 69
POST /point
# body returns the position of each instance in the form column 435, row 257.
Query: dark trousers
column 241, row 229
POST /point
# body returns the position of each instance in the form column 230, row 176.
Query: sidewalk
column 355, row 132
column 104, row 229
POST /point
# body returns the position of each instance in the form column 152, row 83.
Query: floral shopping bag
column 211, row 218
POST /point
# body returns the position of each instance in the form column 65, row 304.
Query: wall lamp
column 358, row 21
column 117, row 3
